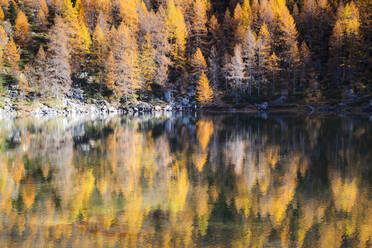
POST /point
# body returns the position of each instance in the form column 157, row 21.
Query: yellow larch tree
column 147, row 61
column 204, row 91
column 126, row 54
column 199, row 21
column 4, row 3
column 11, row 56
column 41, row 18
column 2, row 16
column 3, row 42
column 98, row 50
column 78, row 33
column 246, row 18
column 44, row 7
column 263, row 54
column 198, row 63
column 129, row 14
column 344, row 42
column 177, row 30
column 110, row 72
column 21, row 27
column 239, row 29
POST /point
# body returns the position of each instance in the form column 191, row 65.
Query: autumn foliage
column 204, row 91
column 248, row 50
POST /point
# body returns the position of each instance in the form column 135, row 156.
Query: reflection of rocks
column 8, row 110
column 263, row 107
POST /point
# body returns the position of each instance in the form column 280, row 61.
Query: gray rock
column 280, row 100
column 168, row 108
column 310, row 108
column 349, row 92
column 144, row 107
column 191, row 94
column 76, row 94
column 83, row 75
column 12, row 93
column 157, row 108
column 168, row 96
column 263, row 107
column 185, row 101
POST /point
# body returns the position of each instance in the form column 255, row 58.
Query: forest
column 222, row 52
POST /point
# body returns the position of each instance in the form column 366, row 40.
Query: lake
column 186, row 180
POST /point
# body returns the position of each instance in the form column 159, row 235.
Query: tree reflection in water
column 186, row 181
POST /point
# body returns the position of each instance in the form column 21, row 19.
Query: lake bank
column 72, row 106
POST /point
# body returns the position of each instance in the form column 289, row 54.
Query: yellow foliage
column 21, row 27
column 11, row 55
column 178, row 189
column 28, row 194
column 129, row 13
column 204, row 132
column 177, row 29
column 1, row 14
column 3, row 42
column 198, row 62
column 44, row 7
column 199, row 160
column 147, row 61
column 344, row 193
column 78, row 31
column 204, row 91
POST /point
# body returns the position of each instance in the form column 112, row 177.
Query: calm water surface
column 186, row 181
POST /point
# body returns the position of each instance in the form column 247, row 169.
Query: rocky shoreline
column 74, row 108
column 74, row 104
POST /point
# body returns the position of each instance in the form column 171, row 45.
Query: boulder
column 144, row 107
column 168, row 96
column 263, row 107
column 76, row 94
column 310, row 108
column 280, row 100
column 168, row 108
column 185, row 101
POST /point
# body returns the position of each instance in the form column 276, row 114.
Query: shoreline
column 103, row 108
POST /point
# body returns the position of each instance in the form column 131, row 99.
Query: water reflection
column 186, row 181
